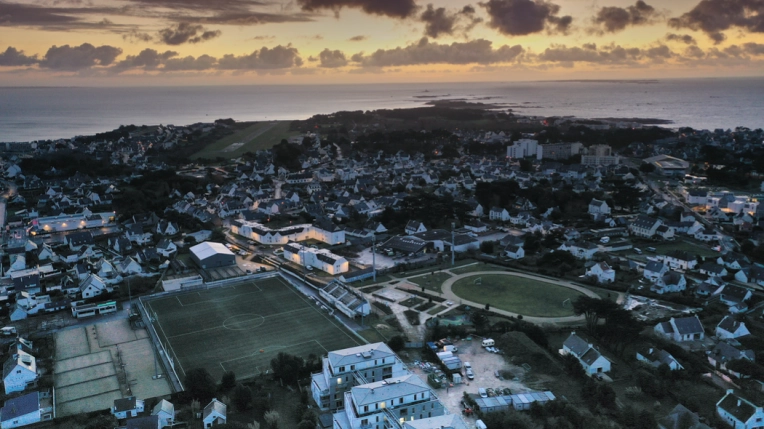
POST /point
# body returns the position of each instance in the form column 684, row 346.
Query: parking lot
column 484, row 365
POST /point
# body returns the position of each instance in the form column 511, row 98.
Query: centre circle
column 242, row 322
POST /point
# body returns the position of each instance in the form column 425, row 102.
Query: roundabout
column 537, row 299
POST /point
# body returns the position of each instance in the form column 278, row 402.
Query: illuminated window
column 339, row 380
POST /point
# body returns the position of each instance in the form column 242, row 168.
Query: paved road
column 449, row 294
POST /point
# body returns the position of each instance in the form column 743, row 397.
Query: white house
column 498, row 214
column 166, row 248
column 580, row 249
column 591, row 359
column 657, row 357
column 644, row 226
column 93, row 286
column 681, row 329
column 731, row 328
column 414, row 226
column 671, row 282
column 19, row 371
column 167, row 228
column 654, row 270
column 514, row 252
column 739, row 412
column 214, row 414
column 678, row 259
column 127, row 407
column 25, row 410
column 598, row 208
column 602, row 272
column 166, row 412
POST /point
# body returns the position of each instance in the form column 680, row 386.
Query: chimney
column 738, row 402
column 372, row 391
column 651, row 350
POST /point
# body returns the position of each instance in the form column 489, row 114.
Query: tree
column 241, row 397
column 593, row 309
column 647, row 167
column 573, row 367
column 228, row 381
column 287, row 367
column 396, row 343
column 200, row 385
column 487, row 247
column 272, row 419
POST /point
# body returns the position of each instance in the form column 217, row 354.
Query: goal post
column 479, row 281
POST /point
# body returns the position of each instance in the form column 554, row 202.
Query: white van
column 488, row 342
column 480, row 425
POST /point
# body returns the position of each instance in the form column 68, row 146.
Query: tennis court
column 240, row 328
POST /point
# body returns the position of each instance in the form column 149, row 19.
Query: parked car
column 470, row 374
column 483, row 393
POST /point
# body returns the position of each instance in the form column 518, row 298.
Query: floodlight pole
column 374, row 256
column 453, row 242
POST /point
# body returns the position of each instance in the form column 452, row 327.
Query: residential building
column 215, row 413
column 644, row 226
column 739, row 412
column 723, row 353
column 590, row 358
column 515, row 252
column 679, row 260
column 524, row 148
column 598, row 208
column 165, row 410
column 599, row 154
column 325, row 232
column 730, row 328
column 414, row 226
column 321, row 259
column 657, row 357
column 654, row 271
column 580, row 249
column 26, row 410
column 343, row 369
column 681, row 329
column 19, row 371
column 602, row 272
column 124, row 408
column 560, row 151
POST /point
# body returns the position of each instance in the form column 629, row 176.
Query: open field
column 680, row 244
column 477, row 267
column 257, row 136
column 517, row 294
column 430, row 282
column 240, row 328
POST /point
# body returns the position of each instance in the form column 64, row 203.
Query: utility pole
column 374, row 256
column 453, row 242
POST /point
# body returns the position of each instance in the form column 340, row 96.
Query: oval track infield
column 243, row 322
column 529, row 297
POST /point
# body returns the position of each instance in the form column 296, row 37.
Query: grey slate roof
column 395, row 387
column 20, row 406
column 358, row 354
column 688, row 325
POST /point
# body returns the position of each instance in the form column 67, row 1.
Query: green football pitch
column 241, row 327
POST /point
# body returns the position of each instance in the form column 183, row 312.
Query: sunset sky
column 215, row 42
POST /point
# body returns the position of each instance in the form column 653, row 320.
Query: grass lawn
column 517, row 294
column 369, row 281
column 411, row 302
column 240, row 328
column 257, row 136
column 695, row 249
column 477, row 267
column 372, row 336
column 431, row 282
column 435, row 310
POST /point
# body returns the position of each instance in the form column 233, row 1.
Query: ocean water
column 28, row 114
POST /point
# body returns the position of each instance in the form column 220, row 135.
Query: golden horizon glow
column 171, row 42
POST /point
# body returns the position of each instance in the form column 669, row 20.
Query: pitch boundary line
column 342, row 328
column 272, row 349
column 156, row 319
column 223, row 326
